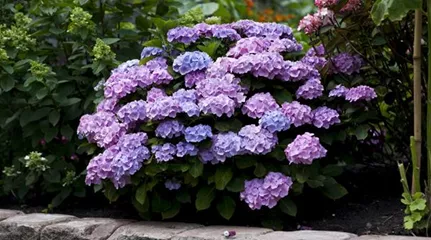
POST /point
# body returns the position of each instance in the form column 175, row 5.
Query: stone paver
column 371, row 237
column 216, row 233
column 4, row 213
column 83, row 229
column 151, row 231
column 307, row 235
column 27, row 227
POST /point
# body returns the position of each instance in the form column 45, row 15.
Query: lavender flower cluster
column 182, row 106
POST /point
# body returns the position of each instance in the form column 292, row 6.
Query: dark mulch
column 372, row 207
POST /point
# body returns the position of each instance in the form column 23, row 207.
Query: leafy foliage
column 52, row 54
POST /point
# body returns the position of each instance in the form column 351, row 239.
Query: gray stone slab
column 216, row 233
column 28, row 227
column 5, row 213
column 151, row 231
column 373, row 237
column 83, row 229
column 307, row 235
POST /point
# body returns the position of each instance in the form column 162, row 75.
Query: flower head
column 257, row 140
column 360, row 93
column 274, row 121
column 298, row 114
column 191, row 61
column 305, row 149
column 324, row 117
column 165, row 152
column 258, row 104
column 197, row 133
column 169, row 129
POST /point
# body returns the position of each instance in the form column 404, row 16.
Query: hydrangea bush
column 220, row 115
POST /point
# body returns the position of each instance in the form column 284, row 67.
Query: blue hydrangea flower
column 172, row 184
column 165, row 152
column 225, row 145
column 151, row 51
column 191, row 61
column 185, row 148
column 169, row 129
column 275, row 121
column 197, row 133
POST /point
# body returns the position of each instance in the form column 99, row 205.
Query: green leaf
column 333, row 190
column 232, row 125
column 158, row 204
column 204, row 197
column 332, row 170
column 282, row 96
column 361, row 132
column 172, row 211
column 183, row 196
column 141, row 194
column 41, row 93
column 245, row 162
column 31, row 178
column 50, row 133
column 67, row 131
column 272, row 222
column 208, row 8
column 260, row 170
column 8, row 68
column 394, row 10
column 28, row 116
column 226, row 207
column 210, row 48
column 110, row 192
column 7, row 83
column 223, row 176
column 418, row 204
column 236, row 185
column 54, row 117
column 110, row 41
column 288, row 206
column 70, row 101
column 196, row 169
column 60, row 197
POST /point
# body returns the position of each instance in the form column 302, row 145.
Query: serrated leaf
column 7, row 83
column 41, row 93
column 226, row 207
column 260, row 170
column 8, row 68
column 196, row 169
column 223, row 176
column 54, row 117
column 245, row 162
column 204, row 197
column 172, row 211
column 110, row 192
column 394, row 10
column 236, row 185
column 110, row 41
column 141, row 194
column 361, row 132
column 288, row 206
column 332, row 170
column 333, row 190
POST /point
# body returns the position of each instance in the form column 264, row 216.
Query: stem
column 429, row 105
column 417, row 60
column 416, row 169
column 404, row 181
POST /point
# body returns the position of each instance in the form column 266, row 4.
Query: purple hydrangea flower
column 107, row 105
column 119, row 85
column 311, row 89
column 165, row 152
column 227, row 85
column 151, row 51
column 126, row 66
column 360, row 93
column 191, row 61
column 346, row 63
column 197, row 133
column 155, row 93
column 297, row 71
column 163, row 108
column 251, row 45
column 305, row 149
column 204, row 29
column 120, row 161
column 191, row 109
column 193, row 78
column 132, row 112
column 314, row 61
column 258, row 104
column 172, row 184
column 206, row 156
column 317, row 51
column 220, row 67
column 183, row 35
column 324, row 117
column 257, row 140
column 284, row 45
column 297, row 113
column 223, row 32
column 267, row 191
column 217, row 105
column 102, row 128
column 274, row 121
column 225, row 145
column 185, row 148
column 169, row 129
column 338, row 91
column 184, row 96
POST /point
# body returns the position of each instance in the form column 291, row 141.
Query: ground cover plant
column 222, row 115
